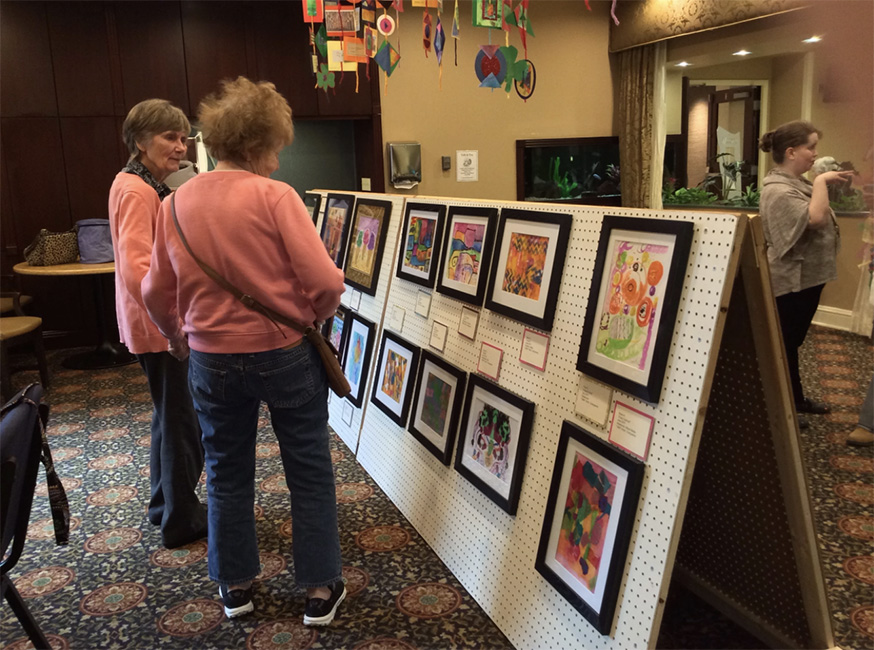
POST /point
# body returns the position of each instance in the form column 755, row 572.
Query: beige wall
column 573, row 96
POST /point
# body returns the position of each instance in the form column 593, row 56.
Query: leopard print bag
column 50, row 248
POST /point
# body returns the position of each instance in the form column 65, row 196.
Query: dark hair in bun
column 791, row 134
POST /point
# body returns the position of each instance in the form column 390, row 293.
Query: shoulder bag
column 51, row 248
column 336, row 379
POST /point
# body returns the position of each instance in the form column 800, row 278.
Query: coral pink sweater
column 133, row 207
column 256, row 233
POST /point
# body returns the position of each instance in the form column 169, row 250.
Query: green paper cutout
column 515, row 69
column 322, row 41
column 324, row 78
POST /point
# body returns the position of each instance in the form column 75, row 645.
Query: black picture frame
column 412, row 239
column 335, row 225
column 527, row 265
column 496, row 471
column 572, row 520
column 364, row 258
column 359, row 342
column 341, row 320
column 395, row 377
column 449, row 281
column 642, row 306
column 436, row 431
column 313, row 202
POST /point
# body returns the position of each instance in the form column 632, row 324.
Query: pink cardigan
column 256, row 233
column 133, row 207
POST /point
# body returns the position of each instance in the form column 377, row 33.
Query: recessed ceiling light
column 682, row 64
column 812, row 39
column 741, row 53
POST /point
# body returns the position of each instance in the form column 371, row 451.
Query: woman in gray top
column 802, row 237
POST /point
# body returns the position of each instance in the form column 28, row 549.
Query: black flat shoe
column 810, row 406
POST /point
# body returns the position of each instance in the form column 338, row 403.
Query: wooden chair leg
column 39, row 350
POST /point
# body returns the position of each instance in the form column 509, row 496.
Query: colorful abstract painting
column 332, row 233
column 336, row 337
column 435, row 407
column 393, row 377
column 526, row 261
column 356, row 358
column 419, row 250
column 587, row 510
column 363, row 247
column 490, row 441
column 629, row 315
column 466, row 252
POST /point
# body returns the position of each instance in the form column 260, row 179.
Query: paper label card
column 468, row 323
column 631, row 430
column 348, row 411
column 490, row 358
column 346, row 298
column 423, row 304
column 438, row 336
column 466, row 166
column 397, row 318
column 355, row 300
column 535, row 347
column 593, row 400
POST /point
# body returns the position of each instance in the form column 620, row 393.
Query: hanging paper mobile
column 387, row 58
column 313, row 11
column 490, row 66
column 321, row 40
column 514, row 69
column 386, row 25
column 439, row 40
column 324, row 78
column 487, row 13
column 520, row 19
column 525, row 85
column 426, row 31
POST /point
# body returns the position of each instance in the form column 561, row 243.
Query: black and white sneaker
column 320, row 611
column 236, row 601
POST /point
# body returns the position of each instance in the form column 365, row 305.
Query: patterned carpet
column 114, row 586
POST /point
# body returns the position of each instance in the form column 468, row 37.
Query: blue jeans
column 228, row 390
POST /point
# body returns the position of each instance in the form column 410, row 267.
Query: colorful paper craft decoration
column 368, row 11
column 426, row 31
column 386, row 25
column 520, row 19
column 490, row 66
column 387, row 58
column 525, row 85
column 439, row 40
column 324, row 78
column 370, row 41
column 321, row 40
column 353, row 50
column 514, row 69
column 313, row 11
column 487, row 13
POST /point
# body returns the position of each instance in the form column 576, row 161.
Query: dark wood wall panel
column 283, row 55
column 26, row 61
column 91, row 156
column 80, row 51
column 37, row 185
column 151, row 52
column 7, row 222
column 215, row 45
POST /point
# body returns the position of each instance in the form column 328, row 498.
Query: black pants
column 176, row 459
column 796, row 312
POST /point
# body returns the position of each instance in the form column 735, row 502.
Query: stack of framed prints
column 527, row 268
column 335, row 226
column 313, row 202
column 639, row 272
column 437, row 405
column 368, row 230
column 467, row 251
column 590, row 512
column 421, row 238
column 493, row 441
column 397, row 364
column 356, row 359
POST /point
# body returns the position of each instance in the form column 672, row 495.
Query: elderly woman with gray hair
column 155, row 133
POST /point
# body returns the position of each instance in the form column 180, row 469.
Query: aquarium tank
column 583, row 171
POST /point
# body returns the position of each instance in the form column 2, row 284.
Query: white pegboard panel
column 371, row 308
column 492, row 553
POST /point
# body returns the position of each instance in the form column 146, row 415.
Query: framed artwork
column 528, row 264
column 421, row 237
column 437, row 405
column 335, row 225
column 366, row 244
column 590, row 511
column 313, row 202
column 356, row 357
column 335, row 330
column 467, row 250
column 396, row 370
column 636, row 286
column 487, row 13
column 493, row 441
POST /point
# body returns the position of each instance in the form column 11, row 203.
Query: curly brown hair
column 791, row 134
column 149, row 118
column 245, row 120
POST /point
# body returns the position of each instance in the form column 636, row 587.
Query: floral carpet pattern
column 114, row 586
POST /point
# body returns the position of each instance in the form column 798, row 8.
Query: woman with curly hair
column 257, row 234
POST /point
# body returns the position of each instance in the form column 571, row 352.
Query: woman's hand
column 819, row 211
column 179, row 348
column 835, row 176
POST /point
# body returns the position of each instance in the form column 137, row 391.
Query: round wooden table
column 107, row 354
